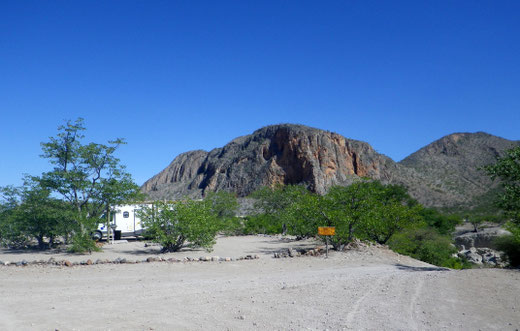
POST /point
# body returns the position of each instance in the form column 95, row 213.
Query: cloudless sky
column 173, row 76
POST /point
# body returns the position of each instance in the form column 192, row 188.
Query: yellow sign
column 326, row 230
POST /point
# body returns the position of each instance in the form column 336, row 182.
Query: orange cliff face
column 280, row 154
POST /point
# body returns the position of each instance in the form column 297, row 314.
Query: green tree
column 349, row 209
column 34, row 214
column 476, row 221
column 224, row 206
column 444, row 223
column 305, row 214
column 393, row 211
column 507, row 169
column 175, row 225
column 271, row 204
column 88, row 176
column 10, row 234
column 389, row 219
column 42, row 217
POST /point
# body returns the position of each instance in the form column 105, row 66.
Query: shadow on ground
column 410, row 268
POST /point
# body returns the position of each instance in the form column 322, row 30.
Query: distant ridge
column 444, row 173
column 452, row 165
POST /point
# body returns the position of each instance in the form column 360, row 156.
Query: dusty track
column 372, row 289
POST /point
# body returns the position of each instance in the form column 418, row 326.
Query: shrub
column 444, row 223
column 82, row 243
column 428, row 245
column 224, row 206
column 232, row 226
column 262, row 223
column 510, row 245
column 188, row 222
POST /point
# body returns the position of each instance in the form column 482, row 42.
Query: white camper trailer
column 124, row 220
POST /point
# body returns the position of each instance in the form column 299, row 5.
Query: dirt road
column 372, row 289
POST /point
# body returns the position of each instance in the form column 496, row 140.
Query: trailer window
column 126, row 214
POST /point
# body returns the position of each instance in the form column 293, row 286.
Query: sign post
column 326, row 231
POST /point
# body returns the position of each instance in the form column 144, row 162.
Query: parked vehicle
column 125, row 222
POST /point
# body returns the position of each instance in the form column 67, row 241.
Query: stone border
column 292, row 252
column 67, row 263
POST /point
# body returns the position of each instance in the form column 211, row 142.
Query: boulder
column 483, row 238
column 483, row 256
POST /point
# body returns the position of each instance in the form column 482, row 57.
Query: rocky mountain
column 451, row 165
column 440, row 174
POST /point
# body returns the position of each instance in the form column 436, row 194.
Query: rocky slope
column 451, row 165
column 297, row 154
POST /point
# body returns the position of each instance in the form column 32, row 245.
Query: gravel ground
column 367, row 289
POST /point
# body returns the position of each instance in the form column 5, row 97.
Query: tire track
column 413, row 303
column 359, row 305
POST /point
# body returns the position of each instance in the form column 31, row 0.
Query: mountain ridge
column 318, row 159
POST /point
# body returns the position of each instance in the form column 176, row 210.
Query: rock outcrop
column 436, row 175
column 480, row 247
column 484, row 238
column 284, row 154
column 483, row 256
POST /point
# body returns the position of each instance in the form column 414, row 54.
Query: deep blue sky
column 175, row 76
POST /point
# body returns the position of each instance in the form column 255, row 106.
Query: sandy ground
column 370, row 289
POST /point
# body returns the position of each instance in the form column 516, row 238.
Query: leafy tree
column 225, row 205
column 476, row 221
column 507, row 169
column 10, row 234
column 390, row 219
column 393, row 210
column 35, row 215
column 364, row 210
column 349, row 209
column 88, row 176
column 261, row 223
column 305, row 214
column 42, row 217
column 174, row 225
column 272, row 202
column 444, row 223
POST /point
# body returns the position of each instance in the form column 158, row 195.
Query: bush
column 30, row 214
column 428, row 245
column 232, row 226
column 82, row 243
column 224, row 206
column 188, row 222
column 444, row 223
column 510, row 245
column 511, row 248
column 262, row 224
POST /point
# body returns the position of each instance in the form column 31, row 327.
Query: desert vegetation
column 65, row 204
column 366, row 210
column 507, row 170
column 190, row 222
column 67, row 201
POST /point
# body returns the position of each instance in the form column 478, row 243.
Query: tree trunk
column 174, row 247
column 350, row 232
column 41, row 241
